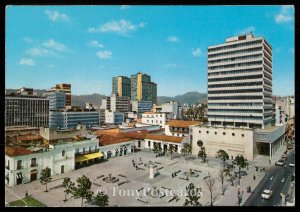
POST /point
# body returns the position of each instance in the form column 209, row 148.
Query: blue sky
column 88, row 45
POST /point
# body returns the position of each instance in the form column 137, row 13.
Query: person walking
column 254, row 176
column 26, row 194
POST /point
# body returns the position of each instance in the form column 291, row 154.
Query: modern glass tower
column 121, row 86
column 240, row 82
column 142, row 89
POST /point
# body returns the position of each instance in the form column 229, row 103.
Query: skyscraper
column 142, row 89
column 66, row 88
column 240, row 82
column 121, row 86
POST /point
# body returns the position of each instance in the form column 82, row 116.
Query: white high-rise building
column 240, row 82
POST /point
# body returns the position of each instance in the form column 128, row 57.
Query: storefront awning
column 88, row 157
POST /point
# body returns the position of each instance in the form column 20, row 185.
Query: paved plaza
column 137, row 189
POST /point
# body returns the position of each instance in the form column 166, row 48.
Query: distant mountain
column 187, row 98
column 80, row 100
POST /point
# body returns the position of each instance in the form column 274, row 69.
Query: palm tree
column 222, row 155
column 171, row 149
column 241, row 162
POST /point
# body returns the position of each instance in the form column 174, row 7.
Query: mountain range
column 96, row 99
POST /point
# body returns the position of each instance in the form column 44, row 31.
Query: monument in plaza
column 151, row 174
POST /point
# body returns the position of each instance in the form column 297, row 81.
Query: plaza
column 133, row 187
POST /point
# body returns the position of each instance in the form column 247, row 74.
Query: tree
column 228, row 171
column 100, row 200
column 222, row 155
column 155, row 148
column 221, row 176
column 202, row 154
column 82, row 190
column 193, row 196
column 171, row 149
column 241, row 162
column 45, row 177
column 210, row 182
column 69, row 187
column 186, row 150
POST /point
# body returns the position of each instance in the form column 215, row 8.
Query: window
column 63, row 153
column 62, row 169
column 215, row 133
column 224, row 133
column 207, row 132
column 149, row 143
column 199, row 131
column 233, row 134
column 160, row 115
column 19, row 164
column 33, row 162
column 242, row 135
column 161, row 122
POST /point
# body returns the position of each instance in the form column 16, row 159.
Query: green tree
column 69, row 187
column 45, row 177
column 155, row 148
column 228, row 171
column 222, row 155
column 186, row 150
column 82, row 190
column 100, row 200
column 193, row 196
column 202, row 154
column 171, row 150
column 241, row 162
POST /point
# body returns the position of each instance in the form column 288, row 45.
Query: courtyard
column 128, row 185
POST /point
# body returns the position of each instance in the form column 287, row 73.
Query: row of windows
column 236, row 110
column 236, row 52
column 236, row 65
column 234, row 72
column 234, row 104
column 236, row 59
column 236, row 91
column 235, row 84
column 235, row 46
column 234, row 97
column 224, row 133
column 236, row 78
column 239, row 118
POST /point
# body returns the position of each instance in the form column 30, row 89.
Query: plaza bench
column 97, row 184
column 177, row 171
column 170, row 200
column 100, row 176
column 160, row 168
column 121, row 183
column 172, row 163
column 166, row 188
column 122, row 175
column 140, row 189
column 157, row 162
column 197, row 170
column 141, row 200
column 183, row 178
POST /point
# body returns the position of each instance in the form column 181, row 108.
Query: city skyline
column 87, row 51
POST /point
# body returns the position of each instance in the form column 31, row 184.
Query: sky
column 88, row 45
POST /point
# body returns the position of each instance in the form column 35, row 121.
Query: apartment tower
column 121, row 86
column 66, row 88
column 240, row 82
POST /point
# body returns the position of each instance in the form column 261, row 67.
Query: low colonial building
column 165, row 141
column 154, row 118
column 24, row 165
column 179, row 128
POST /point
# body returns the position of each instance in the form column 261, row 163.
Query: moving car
column 292, row 164
column 267, row 194
column 280, row 162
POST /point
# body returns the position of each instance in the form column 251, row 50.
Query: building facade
column 66, row 88
column 121, row 86
column 57, row 100
column 142, row 89
column 240, row 82
column 119, row 103
column 23, row 110
column 141, row 106
column 113, row 117
column 172, row 108
column 153, row 118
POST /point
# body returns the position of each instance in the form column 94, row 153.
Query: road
column 277, row 179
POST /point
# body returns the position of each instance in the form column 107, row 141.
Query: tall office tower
column 121, row 86
column 57, row 99
column 142, row 89
column 26, row 109
column 64, row 88
column 240, row 82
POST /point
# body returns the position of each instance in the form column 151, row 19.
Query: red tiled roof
column 141, row 134
column 16, row 151
column 164, row 138
column 114, row 131
column 108, row 140
column 181, row 123
column 29, row 138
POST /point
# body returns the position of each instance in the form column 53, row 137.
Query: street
column 277, row 179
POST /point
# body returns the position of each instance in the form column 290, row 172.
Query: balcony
column 19, row 167
column 86, row 152
column 34, row 165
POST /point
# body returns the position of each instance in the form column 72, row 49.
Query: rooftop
column 181, row 123
column 16, row 151
column 29, row 138
column 165, row 138
column 14, row 128
column 269, row 129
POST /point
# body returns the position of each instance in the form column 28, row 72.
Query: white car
column 266, row 194
column 292, row 164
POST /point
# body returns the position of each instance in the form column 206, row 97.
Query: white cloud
column 28, row 62
column 286, row 14
column 246, row 30
column 196, row 52
column 104, row 54
column 171, row 65
column 173, row 39
column 94, row 43
column 52, row 44
column 124, row 7
column 122, row 27
column 41, row 52
column 54, row 15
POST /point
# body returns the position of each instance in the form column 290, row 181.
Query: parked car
column 267, row 194
column 279, row 162
column 292, row 164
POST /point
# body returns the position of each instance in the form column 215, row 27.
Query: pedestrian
column 26, row 194
column 269, row 161
column 140, row 159
column 254, row 177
